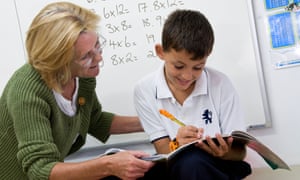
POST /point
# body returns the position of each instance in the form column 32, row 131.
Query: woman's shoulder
column 24, row 84
column 25, row 71
column 26, row 76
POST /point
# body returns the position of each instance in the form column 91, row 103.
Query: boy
column 203, row 98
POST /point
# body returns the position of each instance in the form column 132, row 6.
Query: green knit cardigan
column 35, row 134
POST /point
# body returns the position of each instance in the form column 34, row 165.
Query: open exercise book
column 273, row 160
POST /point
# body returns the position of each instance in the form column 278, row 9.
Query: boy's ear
column 159, row 51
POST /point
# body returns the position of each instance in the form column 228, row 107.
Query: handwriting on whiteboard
column 129, row 32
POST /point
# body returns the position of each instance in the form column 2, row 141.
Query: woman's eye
column 85, row 57
column 97, row 44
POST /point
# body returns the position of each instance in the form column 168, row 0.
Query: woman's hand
column 127, row 165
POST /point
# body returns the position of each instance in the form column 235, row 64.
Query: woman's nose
column 98, row 55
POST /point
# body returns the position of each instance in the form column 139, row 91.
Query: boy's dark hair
column 190, row 31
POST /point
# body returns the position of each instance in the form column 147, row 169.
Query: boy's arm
column 162, row 145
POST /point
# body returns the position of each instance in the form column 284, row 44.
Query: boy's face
column 181, row 71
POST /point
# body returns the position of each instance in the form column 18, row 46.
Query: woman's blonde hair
column 51, row 38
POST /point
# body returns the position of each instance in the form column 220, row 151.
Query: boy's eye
column 198, row 68
column 178, row 66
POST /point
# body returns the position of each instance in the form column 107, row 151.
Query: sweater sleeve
column 100, row 122
column 30, row 112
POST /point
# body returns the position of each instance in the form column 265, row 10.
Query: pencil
column 171, row 117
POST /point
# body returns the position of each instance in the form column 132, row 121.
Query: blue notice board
column 277, row 28
column 270, row 4
column 281, row 30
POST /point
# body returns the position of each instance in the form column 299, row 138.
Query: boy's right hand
column 187, row 134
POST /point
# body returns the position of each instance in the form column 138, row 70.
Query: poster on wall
column 282, row 20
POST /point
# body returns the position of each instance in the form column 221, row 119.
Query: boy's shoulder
column 217, row 78
column 152, row 77
column 215, row 74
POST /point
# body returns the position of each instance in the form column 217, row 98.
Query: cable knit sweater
column 35, row 134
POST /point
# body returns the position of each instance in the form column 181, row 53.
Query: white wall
column 11, row 52
column 282, row 87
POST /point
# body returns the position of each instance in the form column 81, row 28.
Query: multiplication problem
column 117, row 59
column 158, row 5
column 123, row 26
column 116, row 11
column 125, row 43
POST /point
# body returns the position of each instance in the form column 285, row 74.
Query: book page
column 273, row 160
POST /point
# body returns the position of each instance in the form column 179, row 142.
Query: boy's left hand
column 219, row 149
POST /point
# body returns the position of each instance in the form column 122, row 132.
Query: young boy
column 202, row 98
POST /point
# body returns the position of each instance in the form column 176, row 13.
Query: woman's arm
column 125, row 124
column 124, row 165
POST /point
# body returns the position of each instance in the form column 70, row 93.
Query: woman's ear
column 159, row 51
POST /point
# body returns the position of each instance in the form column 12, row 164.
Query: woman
column 50, row 104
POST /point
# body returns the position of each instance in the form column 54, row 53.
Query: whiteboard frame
column 260, row 70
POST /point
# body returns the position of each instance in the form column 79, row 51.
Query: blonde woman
column 50, row 105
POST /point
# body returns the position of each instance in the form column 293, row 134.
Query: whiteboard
column 130, row 29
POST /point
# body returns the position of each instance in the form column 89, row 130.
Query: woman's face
column 88, row 55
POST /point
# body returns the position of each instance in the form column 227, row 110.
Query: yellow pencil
column 171, row 117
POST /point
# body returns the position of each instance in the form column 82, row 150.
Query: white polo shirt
column 213, row 105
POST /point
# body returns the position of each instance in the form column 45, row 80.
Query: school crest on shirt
column 207, row 116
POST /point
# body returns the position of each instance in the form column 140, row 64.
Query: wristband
column 173, row 145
